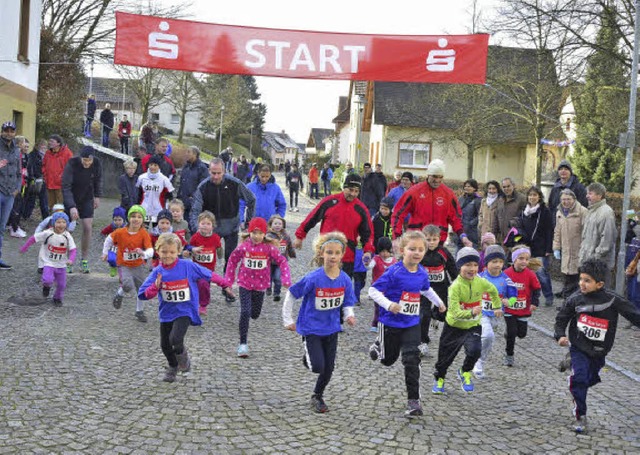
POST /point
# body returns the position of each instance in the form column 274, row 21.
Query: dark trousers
column 293, row 197
column 320, row 355
column 327, row 187
column 16, row 212
column 230, row 244
column 105, row 136
column 347, row 267
column 425, row 319
column 172, row 338
column 359, row 280
column 313, row 190
column 516, row 327
column 87, row 126
column 584, row 374
column 570, row 285
column 276, row 279
column 124, row 145
column 394, row 341
column 30, row 203
column 250, row 308
column 451, row 341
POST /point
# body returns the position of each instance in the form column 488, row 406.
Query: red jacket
column 425, row 205
column 350, row 218
column 124, row 129
column 527, row 283
column 53, row 164
column 392, row 185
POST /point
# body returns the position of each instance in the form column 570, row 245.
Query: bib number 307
column 410, row 303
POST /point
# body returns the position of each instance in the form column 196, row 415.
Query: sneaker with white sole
column 374, row 351
column 117, row 300
column 5, row 266
column 140, row 316
column 465, row 380
column 580, row 425
column 508, row 361
column 243, row 351
column 318, row 404
column 373, row 329
column 18, row 233
column 438, row 386
column 424, row 349
column 414, row 409
column 85, row 266
column 478, row 371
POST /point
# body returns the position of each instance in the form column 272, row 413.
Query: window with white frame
column 175, row 118
column 414, row 154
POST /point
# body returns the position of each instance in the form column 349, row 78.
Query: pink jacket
column 255, row 265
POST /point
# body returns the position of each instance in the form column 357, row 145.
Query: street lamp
column 91, row 77
column 220, row 136
column 360, row 105
column 251, row 141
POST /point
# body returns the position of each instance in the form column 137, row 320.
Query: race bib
column 204, row 257
column 176, row 291
column 150, row 219
column 329, row 298
column 56, row 253
column 519, row 304
column 410, row 303
column 129, row 256
column 294, row 180
column 113, row 249
column 470, row 306
column 436, row 274
column 593, row 328
column 487, row 304
column 282, row 247
column 255, row 261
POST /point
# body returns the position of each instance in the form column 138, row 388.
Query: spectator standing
column 488, row 207
column 148, row 136
column 567, row 237
column 326, row 175
column 599, row 233
column 508, row 207
column 406, row 182
column 269, row 198
column 342, row 212
column 226, row 155
column 82, row 190
column 470, row 202
column 244, row 170
column 107, row 121
column 430, row 202
column 295, row 186
column 313, row 181
column 193, row 173
column 53, row 163
column 124, row 133
column 348, row 169
column 374, row 186
column 37, row 188
column 397, row 180
column 18, row 202
column 566, row 181
column 90, row 114
column 10, row 178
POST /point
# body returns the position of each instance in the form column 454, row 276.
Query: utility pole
column 220, row 135
column 91, row 76
column 251, row 141
column 629, row 140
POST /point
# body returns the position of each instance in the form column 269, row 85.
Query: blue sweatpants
column 585, row 374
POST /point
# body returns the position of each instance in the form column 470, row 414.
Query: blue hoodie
column 269, row 200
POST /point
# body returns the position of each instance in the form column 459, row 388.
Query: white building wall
column 166, row 111
column 25, row 74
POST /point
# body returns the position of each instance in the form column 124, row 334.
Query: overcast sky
column 297, row 105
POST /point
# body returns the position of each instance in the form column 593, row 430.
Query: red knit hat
column 259, row 224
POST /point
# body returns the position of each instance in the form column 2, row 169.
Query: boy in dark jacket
column 129, row 192
column 294, row 181
column 592, row 318
column 382, row 221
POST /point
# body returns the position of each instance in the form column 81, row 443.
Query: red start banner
column 171, row 44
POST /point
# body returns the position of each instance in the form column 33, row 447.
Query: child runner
column 325, row 293
column 205, row 247
column 117, row 221
column 294, row 179
column 378, row 265
column 174, row 281
column 517, row 314
column 494, row 261
column 462, row 324
column 382, row 220
column 592, row 318
column 47, row 224
column 487, row 239
column 398, row 292
column 164, row 226
column 277, row 232
column 253, row 277
column 359, row 272
column 153, row 184
column 134, row 248
column 57, row 251
column 442, row 270
column 179, row 225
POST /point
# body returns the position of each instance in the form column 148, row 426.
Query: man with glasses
column 507, row 208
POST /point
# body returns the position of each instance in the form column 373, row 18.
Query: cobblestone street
column 87, row 378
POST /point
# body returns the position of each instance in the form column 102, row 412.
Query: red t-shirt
column 207, row 257
column 526, row 282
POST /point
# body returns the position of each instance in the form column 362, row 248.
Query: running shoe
column 424, row 349
column 117, row 300
column 69, row 268
column 202, row 311
column 113, row 271
column 243, row 351
column 374, row 329
column 170, row 374
column 465, row 380
column 57, row 302
column 85, row 266
column 318, row 404
column 565, row 363
column 140, row 316
column 374, row 351
column 276, row 298
column 45, row 291
column 508, row 361
column 438, row 386
column 580, row 426
column 414, row 409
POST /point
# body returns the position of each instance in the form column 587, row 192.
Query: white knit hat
column 436, row 167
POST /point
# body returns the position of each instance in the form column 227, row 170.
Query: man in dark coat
column 90, row 115
column 106, row 120
column 374, row 187
column 566, row 181
column 193, row 173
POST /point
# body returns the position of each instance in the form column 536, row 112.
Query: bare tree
column 148, row 84
column 183, row 95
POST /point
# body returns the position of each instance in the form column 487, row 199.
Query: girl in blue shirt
column 175, row 282
column 325, row 292
column 397, row 292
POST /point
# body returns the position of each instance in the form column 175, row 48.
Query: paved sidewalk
column 86, row 378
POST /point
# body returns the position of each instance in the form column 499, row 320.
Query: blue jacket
column 269, row 200
column 191, row 176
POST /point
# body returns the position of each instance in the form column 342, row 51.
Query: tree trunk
column 182, row 121
column 470, row 150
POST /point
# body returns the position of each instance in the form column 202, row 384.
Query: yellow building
column 19, row 57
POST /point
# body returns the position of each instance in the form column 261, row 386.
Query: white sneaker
column 18, row 233
column 424, row 349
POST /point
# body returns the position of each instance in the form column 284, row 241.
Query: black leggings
column 293, row 197
column 172, row 338
column 320, row 356
column 250, row 307
column 516, row 327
